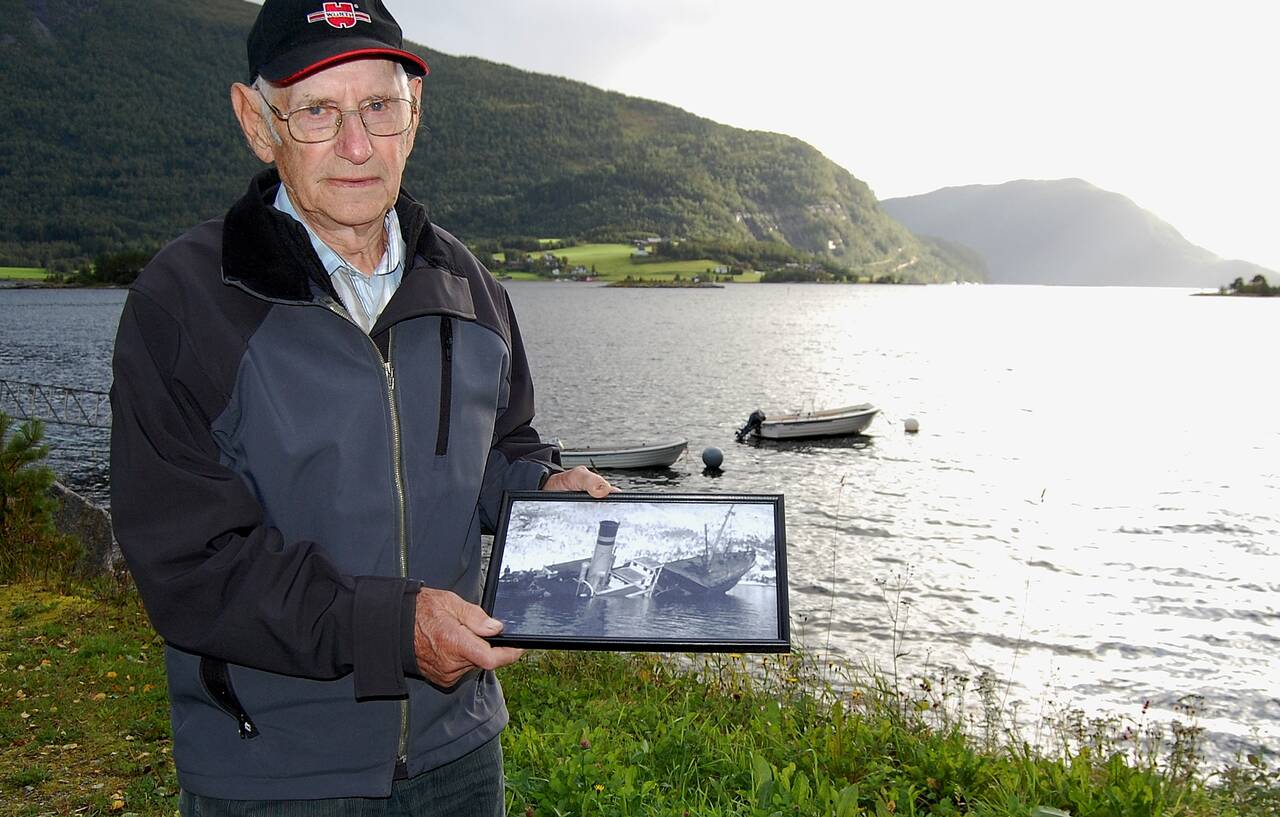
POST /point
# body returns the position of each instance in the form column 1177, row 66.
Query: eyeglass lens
column 319, row 123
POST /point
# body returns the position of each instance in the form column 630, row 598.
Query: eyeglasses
column 320, row 123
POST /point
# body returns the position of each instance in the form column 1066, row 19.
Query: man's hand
column 448, row 638
column 580, row 479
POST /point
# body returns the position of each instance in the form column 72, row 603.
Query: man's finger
column 476, row 620
column 494, row 657
column 480, row 654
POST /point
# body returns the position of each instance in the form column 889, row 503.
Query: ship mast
column 719, row 534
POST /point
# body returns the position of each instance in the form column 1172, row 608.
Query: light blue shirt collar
column 363, row 296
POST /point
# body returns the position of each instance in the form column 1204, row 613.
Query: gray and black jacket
column 281, row 484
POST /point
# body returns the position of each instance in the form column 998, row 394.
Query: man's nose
column 353, row 141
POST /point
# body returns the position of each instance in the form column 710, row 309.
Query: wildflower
column 599, row 788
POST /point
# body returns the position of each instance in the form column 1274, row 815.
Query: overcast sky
column 1173, row 104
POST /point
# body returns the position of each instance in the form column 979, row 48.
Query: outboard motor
column 753, row 423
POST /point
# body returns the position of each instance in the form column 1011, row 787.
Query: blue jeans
column 470, row 786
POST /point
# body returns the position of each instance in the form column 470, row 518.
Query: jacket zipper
column 217, row 683
column 389, row 378
column 446, row 385
column 402, row 744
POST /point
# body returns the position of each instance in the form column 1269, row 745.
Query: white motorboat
column 836, row 422
column 626, row 455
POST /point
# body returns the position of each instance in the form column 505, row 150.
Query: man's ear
column 257, row 131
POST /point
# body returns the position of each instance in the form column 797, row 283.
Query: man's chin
column 356, row 214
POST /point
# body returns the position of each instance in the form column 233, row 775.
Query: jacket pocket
column 216, row 680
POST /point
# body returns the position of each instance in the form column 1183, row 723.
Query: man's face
column 353, row 179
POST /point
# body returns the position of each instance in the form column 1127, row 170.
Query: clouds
column 1171, row 104
column 569, row 38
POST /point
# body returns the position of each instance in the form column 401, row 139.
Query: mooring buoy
column 712, row 457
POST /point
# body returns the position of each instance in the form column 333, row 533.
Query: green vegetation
column 596, row 262
column 675, row 283
column 108, row 269
column 616, row 734
column 22, row 274
column 85, row 724
column 1257, row 288
column 670, row 262
column 30, row 546
column 85, row 730
column 613, row 261
column 127, row 139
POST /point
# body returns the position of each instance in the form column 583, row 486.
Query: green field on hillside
column 22, row 274
column 614, row 262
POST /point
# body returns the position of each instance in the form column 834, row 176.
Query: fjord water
column 1091, row 510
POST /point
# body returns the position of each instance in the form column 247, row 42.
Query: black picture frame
column 655, row 572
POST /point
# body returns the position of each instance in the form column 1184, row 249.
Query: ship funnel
column 602, row 559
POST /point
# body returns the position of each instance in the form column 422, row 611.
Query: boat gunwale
column 635, row 449
column 825, row 415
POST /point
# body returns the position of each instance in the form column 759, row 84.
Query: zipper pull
column 391, row 376
column 446, row 338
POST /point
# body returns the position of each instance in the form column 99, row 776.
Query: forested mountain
column 1065, row 232
column 119, row 134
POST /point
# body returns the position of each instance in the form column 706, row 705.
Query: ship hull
column 699, row 575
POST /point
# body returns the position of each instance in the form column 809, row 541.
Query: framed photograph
column 640, row 571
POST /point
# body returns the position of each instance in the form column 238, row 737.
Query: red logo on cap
column 339, row 15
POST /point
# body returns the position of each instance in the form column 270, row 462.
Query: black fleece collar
column 269, row 253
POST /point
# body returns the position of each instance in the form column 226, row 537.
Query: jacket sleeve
column 217, row 581
column 518, row 460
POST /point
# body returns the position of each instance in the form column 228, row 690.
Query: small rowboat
column 837, row 422
column 627, row 455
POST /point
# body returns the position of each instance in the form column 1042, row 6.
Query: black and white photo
column 698, row 572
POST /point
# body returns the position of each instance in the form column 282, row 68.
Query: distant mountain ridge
column 125, row 138
column 1065, row 232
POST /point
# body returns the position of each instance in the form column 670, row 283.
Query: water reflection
column 857, row 442
column 645, row 479
column 748, row 612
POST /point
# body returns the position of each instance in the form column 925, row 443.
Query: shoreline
column 602, row 732
column 662, row 285
column 17, row 283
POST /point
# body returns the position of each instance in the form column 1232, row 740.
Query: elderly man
column 318, row 402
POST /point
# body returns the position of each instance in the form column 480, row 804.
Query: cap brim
column 302, row 62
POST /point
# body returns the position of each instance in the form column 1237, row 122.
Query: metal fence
column 55, row 404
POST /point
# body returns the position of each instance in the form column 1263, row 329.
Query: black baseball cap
column 292, row 39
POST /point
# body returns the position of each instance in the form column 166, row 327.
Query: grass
column 85, row 722
column 84, row 730
column 22, row 274
column 614, row 262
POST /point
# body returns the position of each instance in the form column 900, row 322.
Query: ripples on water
column 64, row 338
column 1089, row 509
